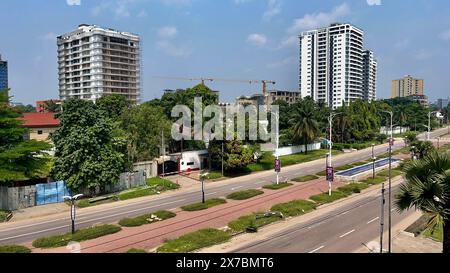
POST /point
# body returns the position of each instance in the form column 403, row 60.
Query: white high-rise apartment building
column 95, row 62
column 369, row 76
column 331, row 64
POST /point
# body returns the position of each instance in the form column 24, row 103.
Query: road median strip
column 243, row 195
column 202, row 206
column 147, row 219
column 79, row 236
column 14, row 249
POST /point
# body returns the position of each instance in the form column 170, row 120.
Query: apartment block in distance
column 408, row 86
column 332, row 65
column 3, row 74
column 96, row 62
column 369, row 76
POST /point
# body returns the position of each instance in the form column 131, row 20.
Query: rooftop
column 33, row 120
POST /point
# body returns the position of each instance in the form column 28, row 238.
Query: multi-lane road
column 342, row 230
column 27, row 230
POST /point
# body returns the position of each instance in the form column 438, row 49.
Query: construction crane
column 203, row 79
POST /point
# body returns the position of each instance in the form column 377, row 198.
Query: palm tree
column 421, row 148
column 306, row 127
column 427, row 188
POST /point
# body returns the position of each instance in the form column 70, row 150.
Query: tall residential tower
column 95, row 62
column 408, row 86
column 332, row 67
column 3, row 74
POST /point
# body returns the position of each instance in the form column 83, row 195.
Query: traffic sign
column 330, row 174
column 277, row 165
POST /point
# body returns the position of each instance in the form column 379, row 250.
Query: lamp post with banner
column 72, row 200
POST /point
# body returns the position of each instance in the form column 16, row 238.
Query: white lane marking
column 344, row 213
column 82, row 222
column 211, row 193
column 31, row 233
column 346, row 234
column 317, row 249
column 262, row 182
column 235, row 188
column 373, row 220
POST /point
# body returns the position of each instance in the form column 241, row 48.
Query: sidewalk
column 153, row 235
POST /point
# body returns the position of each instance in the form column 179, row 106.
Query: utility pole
column 383, row 201
column 330, row 145
column 222, row 157
column 163, row 151
column 278, row 157
column 391, row 142
column 373, row 159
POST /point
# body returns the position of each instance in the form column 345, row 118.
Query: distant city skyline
column 236, row 39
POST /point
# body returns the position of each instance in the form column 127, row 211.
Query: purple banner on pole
column 277, row 165
column 330, row 174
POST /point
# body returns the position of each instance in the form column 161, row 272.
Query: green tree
column 87, row 153
column 25, row 108
column 306, row 128
column 427, row 188
column 113, row 106
column 143, row 126
column 51, row 106
column 20, row 159
column 421, row 148
column 236, row 155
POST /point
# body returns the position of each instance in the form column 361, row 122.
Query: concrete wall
column 17, row 197
column 149, row 167
column 397, row 130
column 296, row 149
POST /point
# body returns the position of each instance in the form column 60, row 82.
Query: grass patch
column 136, row 250
column 84, row 203
column 214, row 175
column 147, row 219
column 202, row 206
column 394, row 173
column 374, row 181
column 14, row 249
column 306, row 178
column 322, row 173
column 79, row 236
column 3, row 215
column 294, row 208
column 437, row 234
column 324, row 198
column 277, row 186
column 155, row 185
column 253, row 220
column 353, row 188
column 243, row 195
column 194, row 241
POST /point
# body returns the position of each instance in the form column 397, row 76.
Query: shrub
column 136, row 250
column 79, row 236
column 3, row 215
column 353, row 188
column 277, row 186
column 252, row 220
column 294, row 208
column 242, row 195
column 324, row 198
column 14, row 249
column 372, row 181
column 194, row 241
column 202, row 206
column 146, row 219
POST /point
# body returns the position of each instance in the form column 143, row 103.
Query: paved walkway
column 153, row 235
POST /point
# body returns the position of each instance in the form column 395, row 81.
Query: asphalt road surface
column 21, row 232
column 343, row 230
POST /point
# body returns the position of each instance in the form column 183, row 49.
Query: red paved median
column 153, row 235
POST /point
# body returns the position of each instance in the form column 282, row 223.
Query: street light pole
column 390, row 183
column 202, row 179
column 373, row 159
column 72, row 200
column 383, row 201
column 163, row 152
column 278, row 144
column 222, row 157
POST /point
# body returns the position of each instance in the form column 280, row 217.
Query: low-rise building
column 290, row 97
column 40, row 125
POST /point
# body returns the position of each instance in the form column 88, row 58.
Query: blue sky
column 231, row 39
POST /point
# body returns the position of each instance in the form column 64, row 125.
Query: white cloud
column 170, row 49
column 168, row 32
column 51, row 36
column 423, row 55
column 288, row 42
column 73, row 2
column 257, row 39
column 374, row 2
column 445, row 35
column 321, row 19
column 273, row 9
